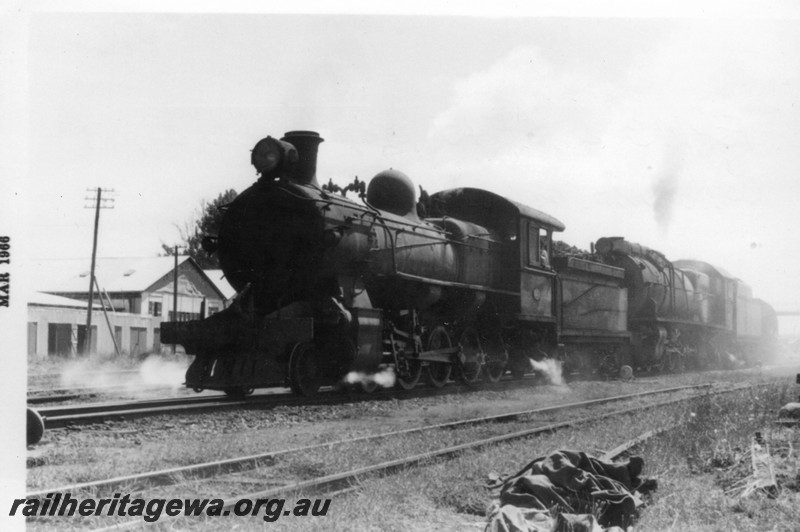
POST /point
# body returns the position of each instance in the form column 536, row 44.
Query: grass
column 694, row 464
column 689, row 498
column 699, row 466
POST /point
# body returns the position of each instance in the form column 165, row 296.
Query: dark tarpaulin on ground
column 570, row 491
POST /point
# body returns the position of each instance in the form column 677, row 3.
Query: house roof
column 117, row 274
column 218, row 278
column 49, row 300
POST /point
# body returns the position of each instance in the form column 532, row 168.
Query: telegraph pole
column 175, row 294
column 87, row 348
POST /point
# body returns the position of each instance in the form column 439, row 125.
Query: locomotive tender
column 459, row 283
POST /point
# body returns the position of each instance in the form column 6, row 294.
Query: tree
column 204, row 223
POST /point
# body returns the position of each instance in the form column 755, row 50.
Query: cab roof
column 489, row 209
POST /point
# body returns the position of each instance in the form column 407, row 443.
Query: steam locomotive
column 455, row 284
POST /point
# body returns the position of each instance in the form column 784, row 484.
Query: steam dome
column 393, row 191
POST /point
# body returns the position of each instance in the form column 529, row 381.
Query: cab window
column 533, row 245
column 538, row 246
column 544, row 248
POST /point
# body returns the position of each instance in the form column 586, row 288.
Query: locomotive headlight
column 271, row 155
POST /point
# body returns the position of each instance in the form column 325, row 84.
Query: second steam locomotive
column 462, row 283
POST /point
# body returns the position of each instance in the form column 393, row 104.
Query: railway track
column 39, row 379
column 88, row 413
column 38, row 396
column 57, row 375
column 345, row 481
column 210, row 469
column 216, row 476
column 56, row 417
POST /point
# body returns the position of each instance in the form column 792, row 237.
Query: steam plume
column 153, row 372
column 550, row 368
column 384, row 378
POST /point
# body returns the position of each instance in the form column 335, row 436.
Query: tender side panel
column 593, row 300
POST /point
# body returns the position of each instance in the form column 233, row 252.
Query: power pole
column 175, row 294
column 87, row 348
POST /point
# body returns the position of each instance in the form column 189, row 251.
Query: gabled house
column 131, row 298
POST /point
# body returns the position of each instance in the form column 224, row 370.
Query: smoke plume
column 665, row 187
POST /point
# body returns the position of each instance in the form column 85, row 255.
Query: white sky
column 678, row 133
column 679, row 130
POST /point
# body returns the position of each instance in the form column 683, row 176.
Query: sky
column 678, row 132
column 677, row 127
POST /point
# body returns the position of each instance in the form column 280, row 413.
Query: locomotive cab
column 524, row 285
column 537, row 279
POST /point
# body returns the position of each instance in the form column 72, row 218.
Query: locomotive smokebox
column 307, row 144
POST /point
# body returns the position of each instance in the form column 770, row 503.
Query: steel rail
column 339, row 483
column 619, row 449
column 87, row 372
column 344, row 480
column 63, row 394
column 164, row 477
column 36, row 392
column 62, row 416
column 116, row 408
column 99, row 388
column 66, row 415
column 42, row 399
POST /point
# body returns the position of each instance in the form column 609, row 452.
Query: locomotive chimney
column 307, row 144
